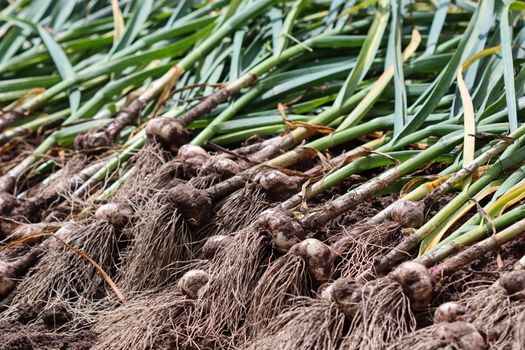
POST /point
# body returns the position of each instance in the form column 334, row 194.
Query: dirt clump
column 17, row 336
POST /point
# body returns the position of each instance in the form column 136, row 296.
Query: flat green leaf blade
column 437, row 26
column 139, row 17
column 508, row 67
column 442, row 83
column 367, row 53
column 394, row 51
column 63, row 65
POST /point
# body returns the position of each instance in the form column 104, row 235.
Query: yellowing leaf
column 435, row 238
column 118, row 21
column 469, row 118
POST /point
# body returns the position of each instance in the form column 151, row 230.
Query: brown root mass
column 161, row 239
column 384, row 316
column 310, row 325
column 234, row 273
column 236, row 211
column 358, row 246
column 63, row 278
column 284, row 279
column 148, row 322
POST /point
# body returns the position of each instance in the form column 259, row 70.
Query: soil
column 17, row 336
column 52, row 331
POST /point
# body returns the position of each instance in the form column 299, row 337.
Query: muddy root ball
column 93, row 140
column 221, row 166
column 284, row 228
column 195, row 205
column 277, row 182
column 318, row 257
column 408, row 214
column 193, row 158
column 514, row 284
column 461, row 335
column 7, row 283
column 117, row 214
column 416, row 283
column 193, row 283
column 215, row 244
column 169, row 132
column 346, row 293
column 449, row 312
column 7, row 202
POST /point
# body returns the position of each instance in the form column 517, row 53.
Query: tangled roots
column 310, row 325
column 519, row 331
column 307, row 264
column 149, row 322
column 63, row 279
column 234, row 274
column 236, row 211
column 153, row 170
column 285, row 278
column 358, row 248
column 491, row 310
column 384, row 316
column 203, row 182
column 161, row 239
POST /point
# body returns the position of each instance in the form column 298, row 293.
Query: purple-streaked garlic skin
column 117, row 214
column 188, row 151
column 93, row 140
column 195, row 205
column 318, row 257
column 277, row 182
column 283, row 227
column 325, row 291
column 192, row 158
column 221, row 166
column 193, row 283
column 449, row 312
column 346, row 293
column 214, row 245
column 514, row 283
column 408, row 214
column 416, row 282
column 7, row 202
column 169, row 132
column 461, row 335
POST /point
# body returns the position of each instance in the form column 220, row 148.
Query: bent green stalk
column 411, row 242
